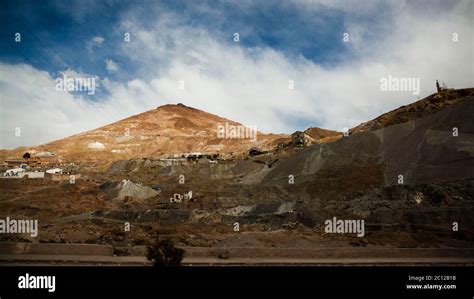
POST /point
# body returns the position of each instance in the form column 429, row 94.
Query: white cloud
column 246, row 85
column 250, row 85
column 78, row 74
column 96, row 41
column 111, row 66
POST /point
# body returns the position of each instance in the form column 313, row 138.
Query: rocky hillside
column 172, row 130
column 419, row 109
column 165, row 131
column 322, row 135
column 432, row 149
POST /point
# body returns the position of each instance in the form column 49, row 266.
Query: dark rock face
column 423, row 151
column 412, row 177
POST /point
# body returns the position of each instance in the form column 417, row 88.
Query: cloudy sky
column 333, row 54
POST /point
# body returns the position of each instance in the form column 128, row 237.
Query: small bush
column 223, row 254
column 164, row 253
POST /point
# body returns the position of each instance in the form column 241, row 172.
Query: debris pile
column 127, row 188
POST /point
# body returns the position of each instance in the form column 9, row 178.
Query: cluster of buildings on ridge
column 44, row 167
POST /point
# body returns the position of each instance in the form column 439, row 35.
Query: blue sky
column 55, row 33
column 336, row 82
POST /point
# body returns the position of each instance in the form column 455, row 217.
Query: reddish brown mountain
column 165, row 131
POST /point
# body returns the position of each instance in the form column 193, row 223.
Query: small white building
column 188, row 195
column 54, row 170
column 15, row 172
column 176, row 198
column 33, row 174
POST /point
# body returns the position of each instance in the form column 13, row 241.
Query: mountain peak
column 169, row 129
column 176, row 108
column 179, row 105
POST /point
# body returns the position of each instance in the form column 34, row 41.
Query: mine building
column 15, row 172
column 188, row 196
column 194, row 156
column 177, row 198
column 300, row 138
column 54, row 171
column 61, row 176
column 15, row 162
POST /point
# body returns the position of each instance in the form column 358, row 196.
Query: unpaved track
column 91, row 260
